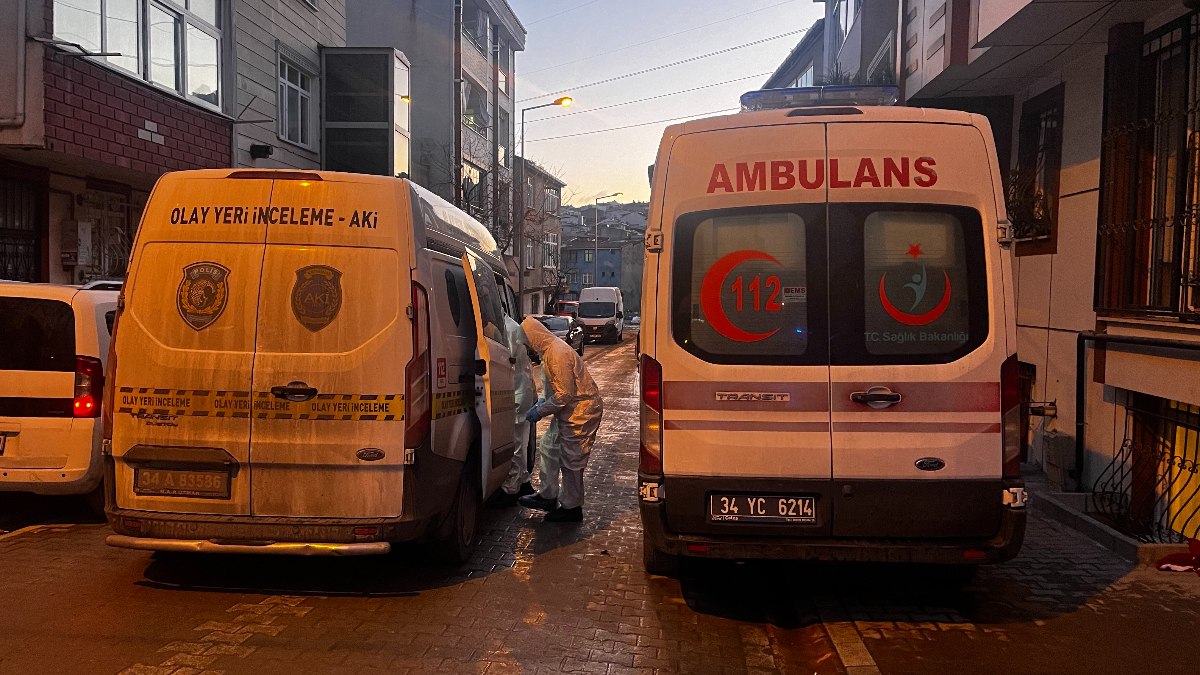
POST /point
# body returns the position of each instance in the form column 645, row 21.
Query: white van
column 53, row 342
column 828, row 365
column 307, row 363
column 602, row 312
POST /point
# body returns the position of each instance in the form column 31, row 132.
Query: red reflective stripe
column 886, row 427
column 712, row 425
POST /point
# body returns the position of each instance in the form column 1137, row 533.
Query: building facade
column 98, row 99
column 859, row 42
column 616, row 262
column 538, row 202
column 1093, row 105
column 462, row 56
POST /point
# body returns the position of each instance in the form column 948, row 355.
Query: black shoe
column 526, row 489
column 561, row 515
column 503, row 499
column 538, row 502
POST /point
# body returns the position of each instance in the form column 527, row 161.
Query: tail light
column 417, row 398
column 89, row 387
column 110, row 385
column 1010, row 416
column 650, row 455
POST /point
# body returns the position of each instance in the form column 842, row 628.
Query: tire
column 658, row 562
column 456, row 540
column 95, row 500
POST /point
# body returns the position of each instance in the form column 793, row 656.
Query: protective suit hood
column 540, row 337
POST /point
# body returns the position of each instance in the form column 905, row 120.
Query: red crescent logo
column 914, row 319
column 710, row 296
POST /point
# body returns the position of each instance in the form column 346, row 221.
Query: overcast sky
column 572, row 43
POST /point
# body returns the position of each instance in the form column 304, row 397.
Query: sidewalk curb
column 1068, row 508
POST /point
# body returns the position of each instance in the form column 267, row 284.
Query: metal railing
column 1151, row 489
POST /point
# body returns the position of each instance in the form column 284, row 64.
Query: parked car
column 567, row 328
column 52, row 365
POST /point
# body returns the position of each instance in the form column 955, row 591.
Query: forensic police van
column 306, row 363
column 827, row 355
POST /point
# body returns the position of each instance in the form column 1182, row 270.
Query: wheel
column 456, row 540
column 657, row 562
column 95, row 500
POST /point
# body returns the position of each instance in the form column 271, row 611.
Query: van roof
column 64, row 292
column 830, row 113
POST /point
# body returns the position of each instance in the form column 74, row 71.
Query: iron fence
column 1151, row 489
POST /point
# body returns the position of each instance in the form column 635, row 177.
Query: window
column 587, row 279
column 503, row 135
column 38, row 335
column 741, row 286
column 806, row 78
column 550, row 250
column 587, row 255
column 528, row 254
column 1148, row 245
column 550, row 201
column 474, row 187
column 173, row 43
column 295, row 104
column 475, row 108
column 1033, row 187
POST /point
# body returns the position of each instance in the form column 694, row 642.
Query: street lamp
column 518, row 237
column 596, row 241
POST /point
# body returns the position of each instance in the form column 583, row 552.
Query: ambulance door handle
column 876, row 397
column 295, row 392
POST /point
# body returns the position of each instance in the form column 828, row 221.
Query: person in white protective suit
column 574, row 400
column 517, row 484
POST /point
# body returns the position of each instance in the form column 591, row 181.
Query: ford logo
column 930, row 464
column 369, row 454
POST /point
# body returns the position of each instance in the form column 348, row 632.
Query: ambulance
column 308, row 363
column 827, row 354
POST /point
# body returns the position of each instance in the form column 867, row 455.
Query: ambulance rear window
column 743, row 285
column 913, row 283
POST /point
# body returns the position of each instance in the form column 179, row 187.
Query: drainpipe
column 457, row 81
column 495, row 93
column 1080, row 393
column 18, row 119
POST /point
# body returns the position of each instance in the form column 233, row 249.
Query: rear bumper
column 1002, row 541
column 265, row 548
column 69, row 480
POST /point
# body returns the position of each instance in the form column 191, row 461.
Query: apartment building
column 100, row 97
column 462, row 95
column 1094, row 108
column 538, row 202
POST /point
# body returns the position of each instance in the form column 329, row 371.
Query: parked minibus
column 827, row 354
column 307, row 362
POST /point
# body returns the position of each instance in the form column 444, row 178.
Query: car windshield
column 555, row 322
column 596, row 310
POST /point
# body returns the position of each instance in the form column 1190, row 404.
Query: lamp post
column 518, row 237
column 596, row 240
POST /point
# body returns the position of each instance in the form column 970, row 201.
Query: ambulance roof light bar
column 804, row 97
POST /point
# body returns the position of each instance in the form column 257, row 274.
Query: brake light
column 1010, row 416
column 89, row 387
column 650, row 454
column 276, row 174
column 418, row 411
column 110, row 385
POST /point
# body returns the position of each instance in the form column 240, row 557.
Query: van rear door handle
column 295, row 392
column 876, row 397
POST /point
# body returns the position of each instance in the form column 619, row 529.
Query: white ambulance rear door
column 917, row 335
column 740, row 326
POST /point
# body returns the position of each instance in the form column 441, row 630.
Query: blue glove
column 533, row 415
column 540, row 401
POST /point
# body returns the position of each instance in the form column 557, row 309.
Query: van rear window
column 37, row 335
column 748, row 286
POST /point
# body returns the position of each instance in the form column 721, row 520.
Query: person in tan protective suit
column 574, row 400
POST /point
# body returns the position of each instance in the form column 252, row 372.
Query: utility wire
column 663, row 66
column 630, row 126
column 657, row 39
column 648, row 98
column 551, row 16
